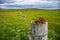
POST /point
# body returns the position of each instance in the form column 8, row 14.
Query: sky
column 20, row 4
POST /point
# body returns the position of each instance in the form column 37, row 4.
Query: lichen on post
column 39, row 30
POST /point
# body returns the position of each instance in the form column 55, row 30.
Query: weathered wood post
column 39, row 30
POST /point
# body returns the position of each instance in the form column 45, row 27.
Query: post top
column 40, row 20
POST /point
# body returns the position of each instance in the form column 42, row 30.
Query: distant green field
column 15, row 25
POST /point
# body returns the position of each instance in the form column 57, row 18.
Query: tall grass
column 15, row 24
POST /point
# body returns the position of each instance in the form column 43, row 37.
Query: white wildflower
column 28, row 32
column 23, row 18
column 32, row 21
column 18, row 30
column 21, row 13
column 17, row 36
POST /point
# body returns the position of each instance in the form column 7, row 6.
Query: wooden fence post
column 39, row 30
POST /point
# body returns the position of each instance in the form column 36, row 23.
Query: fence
column 39, row 30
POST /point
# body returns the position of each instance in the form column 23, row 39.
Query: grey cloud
column 6, row 1
column 37, row 5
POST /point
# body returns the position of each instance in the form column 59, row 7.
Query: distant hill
column 29, row 9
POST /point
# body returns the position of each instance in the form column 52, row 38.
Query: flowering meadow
column 15, row 24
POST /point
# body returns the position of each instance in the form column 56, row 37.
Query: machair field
column 15, row 24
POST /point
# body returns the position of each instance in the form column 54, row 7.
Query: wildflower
column 16, row 35
column 23, row 18
column 21, row 14
column 32, row 21
column 18, row 30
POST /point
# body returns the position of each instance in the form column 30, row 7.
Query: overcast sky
column 50, row 4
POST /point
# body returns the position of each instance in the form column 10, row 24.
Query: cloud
column 6, row 1
column 16, row 4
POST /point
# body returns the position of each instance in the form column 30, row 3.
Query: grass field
column 15, row 25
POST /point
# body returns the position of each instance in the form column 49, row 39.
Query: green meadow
column 15, row 24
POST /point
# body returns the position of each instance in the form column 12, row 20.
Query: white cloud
column 28, row 2
column 23, row 2
column 39, row 3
